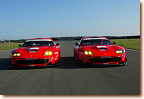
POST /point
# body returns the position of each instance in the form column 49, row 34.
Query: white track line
column 3, row 50
column 133, row 50
column 6, row 50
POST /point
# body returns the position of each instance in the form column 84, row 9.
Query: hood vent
column 34, row 49
column 103, row 49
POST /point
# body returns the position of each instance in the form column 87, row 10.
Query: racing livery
column 36, row 52
column 99, row 51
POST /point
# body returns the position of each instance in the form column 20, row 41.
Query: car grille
column 38, row 61
column 96, row 60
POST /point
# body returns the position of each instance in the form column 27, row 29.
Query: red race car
column 99, row 51
column 36, row 52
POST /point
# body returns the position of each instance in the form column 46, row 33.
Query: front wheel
column 79, row 62
column 11, row 67
column 57, row 63
column 125, row 63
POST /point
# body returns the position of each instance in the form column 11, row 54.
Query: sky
column 24, row 19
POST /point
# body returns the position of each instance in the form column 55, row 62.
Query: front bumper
column 32, row 61
column 103, row 60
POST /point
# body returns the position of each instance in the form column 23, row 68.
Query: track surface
column 69, row 79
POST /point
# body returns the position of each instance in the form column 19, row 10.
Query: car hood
column 102, row 50
column 33, row 51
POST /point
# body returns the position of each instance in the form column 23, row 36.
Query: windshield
column 37, row 43
column 96, row 42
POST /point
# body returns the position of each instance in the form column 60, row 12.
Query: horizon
column 71, row 37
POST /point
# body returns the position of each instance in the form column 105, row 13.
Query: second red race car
column 99, row 51
column 35, row 52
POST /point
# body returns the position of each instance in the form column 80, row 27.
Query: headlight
column 16, row 54
column 48, row 53
column 120, row 51
column 88, row 53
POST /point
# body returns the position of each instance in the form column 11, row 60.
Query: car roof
column 40, row 39
column 91, row 38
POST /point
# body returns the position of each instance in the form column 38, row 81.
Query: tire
column 13, row 67
column 76, row 59
column 125, row 62
column 79, row 62
column 59, row 57
column 56, row 64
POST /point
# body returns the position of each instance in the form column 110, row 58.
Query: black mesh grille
column 102, row 48
column 39, row 61
column 96, row 60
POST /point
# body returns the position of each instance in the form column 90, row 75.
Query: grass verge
column 128, row 43
column 6, row 46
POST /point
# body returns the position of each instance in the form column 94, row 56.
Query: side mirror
column 114, row 42
column 57, row 44
column 76, row 44
column 20, row 45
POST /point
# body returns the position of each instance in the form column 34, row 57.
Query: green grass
column 128, row 43
column 5, row 46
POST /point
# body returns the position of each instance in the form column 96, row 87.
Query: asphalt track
column 70, row 79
